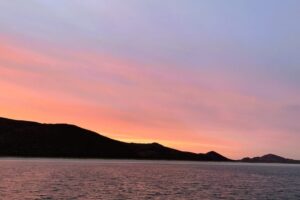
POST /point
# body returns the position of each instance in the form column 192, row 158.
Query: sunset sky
column 190, row 74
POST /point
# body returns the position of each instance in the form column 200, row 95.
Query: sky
column 194, row 75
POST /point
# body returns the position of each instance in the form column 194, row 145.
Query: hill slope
column 32, row 139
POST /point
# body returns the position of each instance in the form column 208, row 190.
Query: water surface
column 121, row 179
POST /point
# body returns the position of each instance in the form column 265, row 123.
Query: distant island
column 31, row 139
column 270, row 158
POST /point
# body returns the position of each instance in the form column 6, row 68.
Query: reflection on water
column 99, row 179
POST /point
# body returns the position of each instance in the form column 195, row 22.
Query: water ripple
column 97, row 179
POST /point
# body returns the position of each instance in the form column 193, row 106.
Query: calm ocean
column 123, row 179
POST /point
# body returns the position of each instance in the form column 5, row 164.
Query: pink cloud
column 131, row 100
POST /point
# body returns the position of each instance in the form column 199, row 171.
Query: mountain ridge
column 20, row 138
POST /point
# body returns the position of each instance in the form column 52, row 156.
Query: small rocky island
column 270, row 158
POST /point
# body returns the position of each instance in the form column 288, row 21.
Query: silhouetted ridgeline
column 31, row 139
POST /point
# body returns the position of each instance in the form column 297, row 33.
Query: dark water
column 99, row 179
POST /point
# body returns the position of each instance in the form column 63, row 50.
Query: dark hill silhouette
column 270, row 158
column 32, row 139
column 212, row 155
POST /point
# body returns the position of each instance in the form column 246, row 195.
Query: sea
column 46, row 179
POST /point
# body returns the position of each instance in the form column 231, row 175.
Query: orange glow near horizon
column 118, row 98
